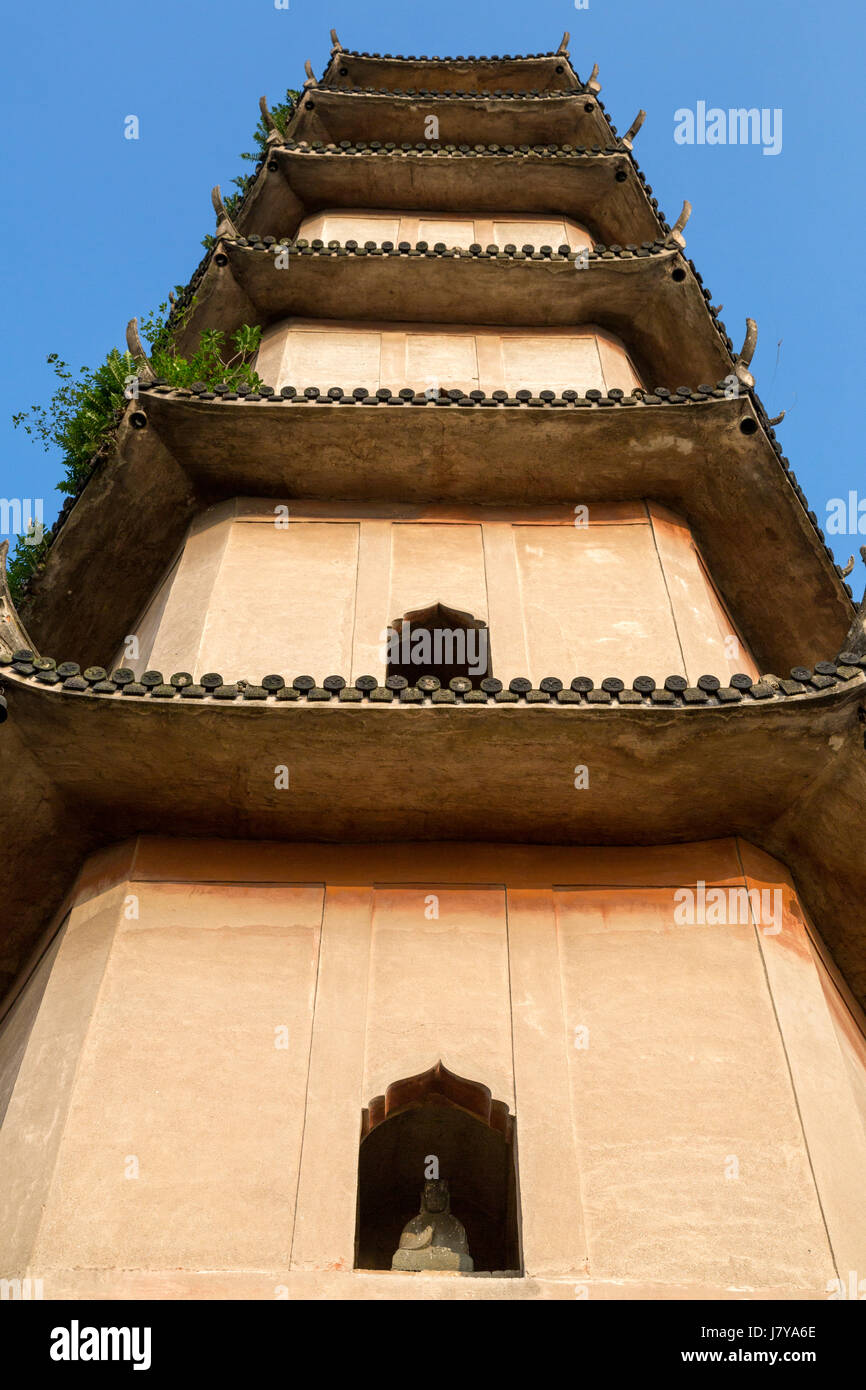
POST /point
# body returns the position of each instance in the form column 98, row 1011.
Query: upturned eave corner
column 13, row 634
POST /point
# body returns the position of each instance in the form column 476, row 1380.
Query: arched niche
column 472, row 1136
column 439, row 641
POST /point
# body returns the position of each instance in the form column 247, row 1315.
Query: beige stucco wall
column 453, row 229
column 309, row 588
column 325, row 352
column 685, row 1091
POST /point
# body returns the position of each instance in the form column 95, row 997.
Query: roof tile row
column 582, row 690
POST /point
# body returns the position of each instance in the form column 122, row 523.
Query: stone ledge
column 708, row 691
column 372, row 1285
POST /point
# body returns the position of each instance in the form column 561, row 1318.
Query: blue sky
column 102, row 227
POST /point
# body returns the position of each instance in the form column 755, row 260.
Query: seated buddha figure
column 434, row 1239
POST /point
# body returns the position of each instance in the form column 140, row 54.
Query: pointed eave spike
column 137, row 352
column 311, row 76
column 747, row 351
column 848, row 568
column 744, row 357
column 855, row 642
column 266, row 114
column 777, row 419
column 563, row 45
column 13, row 634
column 225, row 226
column 628, row 139
column 336, row 46
column 273, row 136
column 593, row 85
column 675, row 237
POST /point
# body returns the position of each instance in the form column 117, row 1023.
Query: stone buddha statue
column 434, row 1239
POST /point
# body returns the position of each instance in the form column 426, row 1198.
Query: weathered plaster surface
column 679, row 1133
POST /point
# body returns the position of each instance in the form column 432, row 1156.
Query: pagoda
column 456, row 780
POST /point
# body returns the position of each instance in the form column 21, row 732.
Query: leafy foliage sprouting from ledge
column 281, row 114
column 211, row 362
column 29, row 553
column 84, row 410
column 81, row 416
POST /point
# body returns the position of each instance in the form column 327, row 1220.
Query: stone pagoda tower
column 458, row 772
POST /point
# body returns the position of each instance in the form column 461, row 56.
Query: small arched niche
column 472, row 1137
column 439, row 641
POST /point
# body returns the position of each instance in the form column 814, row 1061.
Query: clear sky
column 100, row 227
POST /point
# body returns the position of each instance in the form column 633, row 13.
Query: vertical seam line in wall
column 518, row 576
column 504, row 891
column 364, row 1099
column 813, row 941
column 372, row 889
column 134, row 862
column 667, row 590
column 848, row 1002
column 787, row 1061
column 359, row 528
column 837, row 1045
column 18, row 988
column 593, row 338
column 568, row 1076
column 515, row 1155
column 94, row 1010
column 307, row 1079
column 733, row 628
column 163, row 591
column 197, row 656
column 482, row 528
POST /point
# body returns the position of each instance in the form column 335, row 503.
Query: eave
column 788, row 774
column 708, row 458
column 650, row 297
column 604, row 190
column 339, row 113
column 540, row 72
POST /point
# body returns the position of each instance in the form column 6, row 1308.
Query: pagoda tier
column 741, row 1029
column 543, row 72
column 332, row 114
column 602, row 190
column 650, row 298
column 113, row 758
column 712, row 459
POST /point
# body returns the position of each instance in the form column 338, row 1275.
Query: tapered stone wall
column 303, row 588
column 186, row 1088
column 428, row 357
column 454, row 229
